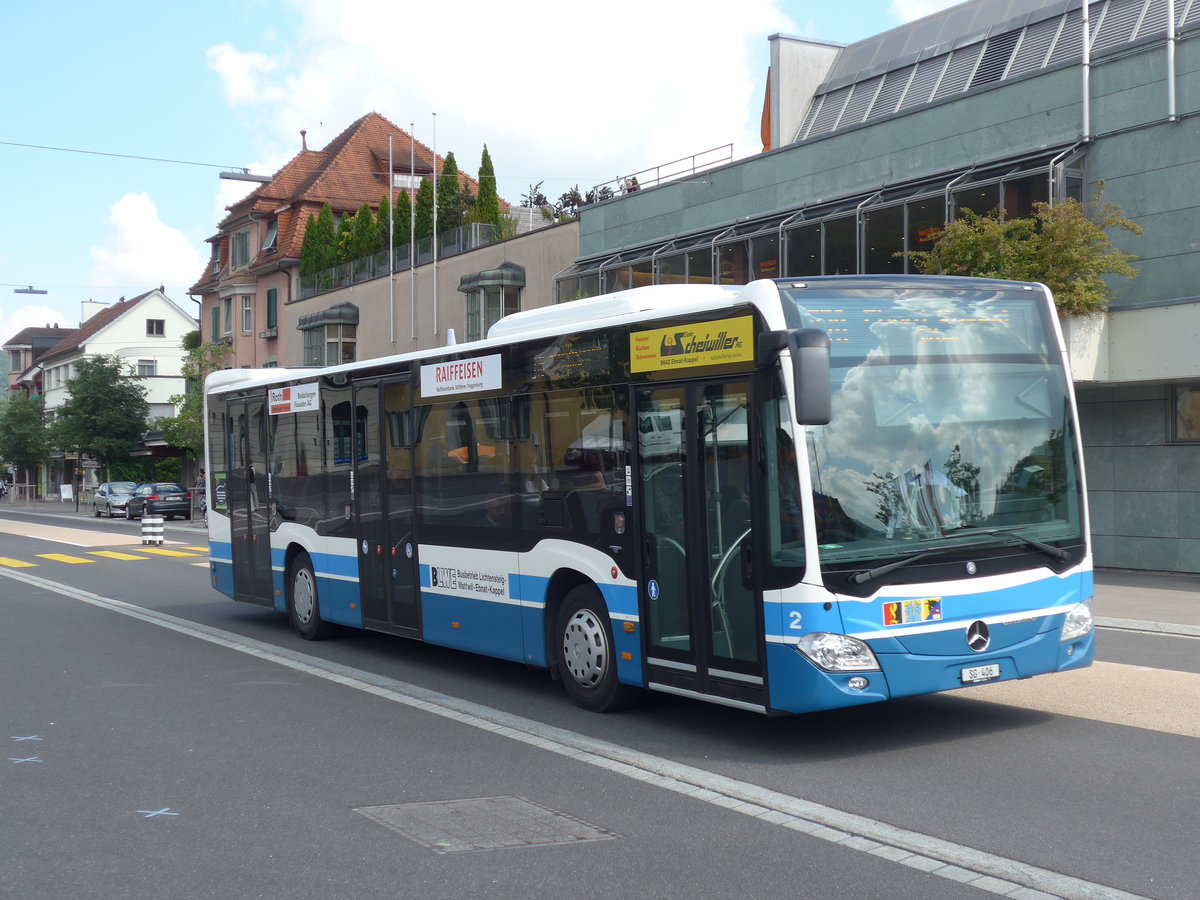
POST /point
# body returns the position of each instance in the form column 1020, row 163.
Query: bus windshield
column 951, row 426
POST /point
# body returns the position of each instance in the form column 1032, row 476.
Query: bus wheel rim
column 302, row 595
column 585, row 648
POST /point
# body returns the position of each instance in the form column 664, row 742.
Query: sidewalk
column 1165, row 603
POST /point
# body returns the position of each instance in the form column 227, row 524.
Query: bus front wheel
column 303, row 606
column 586, row 660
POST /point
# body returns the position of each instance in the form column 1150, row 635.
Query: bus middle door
column 704, row 625
column 387, row 550
column 248, row 502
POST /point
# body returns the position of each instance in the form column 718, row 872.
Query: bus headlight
column 838, row 652
column 1079, row 622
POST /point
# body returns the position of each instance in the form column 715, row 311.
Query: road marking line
column 197, row 549
column 946, row 859
column 16, row 563
column 64, row 558
column 113, row 554
column 160, row 552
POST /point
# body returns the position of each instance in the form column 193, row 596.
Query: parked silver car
column 112, row 497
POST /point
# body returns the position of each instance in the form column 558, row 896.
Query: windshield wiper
column 1033, row 543
column 860, row 577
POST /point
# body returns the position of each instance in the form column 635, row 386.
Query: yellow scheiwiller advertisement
column 687, row 346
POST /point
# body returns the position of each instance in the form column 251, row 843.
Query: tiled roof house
column 256, row 251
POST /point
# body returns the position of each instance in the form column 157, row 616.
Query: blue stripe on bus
column 467, row 623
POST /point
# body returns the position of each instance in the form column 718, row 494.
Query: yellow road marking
column 197, row 549
column 16, row 563
column 113, row 554
column 63, row 558
column 158, row 551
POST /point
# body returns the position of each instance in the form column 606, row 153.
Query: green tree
column 384, row 222
column 449, row 202
column 186, row 428
column 318, row 251
column 487, row 202
column 1065, row 246
column 356, row 236
column 24, row 438
column 402, row 220
column 105, row 411
column 424, row 224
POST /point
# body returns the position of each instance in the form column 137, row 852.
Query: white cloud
column 29, row 317
column 142, row 252
column 558, row 91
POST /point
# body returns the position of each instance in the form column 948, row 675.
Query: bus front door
column 249, row 522
column 704, row 623
column 387, row 549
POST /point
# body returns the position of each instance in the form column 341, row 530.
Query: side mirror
column 811, row 387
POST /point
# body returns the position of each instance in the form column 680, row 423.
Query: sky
column 116, row 119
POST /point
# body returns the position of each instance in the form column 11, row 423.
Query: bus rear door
column 704, row 626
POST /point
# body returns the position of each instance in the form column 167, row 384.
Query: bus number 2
column 795, row 620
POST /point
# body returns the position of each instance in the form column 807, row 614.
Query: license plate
column 976, row 674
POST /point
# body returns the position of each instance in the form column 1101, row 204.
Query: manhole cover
column 489, row 823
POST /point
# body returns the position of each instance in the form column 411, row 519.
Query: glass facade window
column 487, row 306
column 981, row 199
column 764, row 256
column 247, row 313
column 700, row 266
column 330, row 345
column 884, row 241
column 926, row 219
column 671, row 269
column 804, row 250
column 734, row 263
column 841, row 246
column 904, row 219
column 1185, row 425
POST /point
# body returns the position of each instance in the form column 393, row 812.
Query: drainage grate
column 489, row 823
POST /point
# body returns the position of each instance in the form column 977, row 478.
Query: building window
column 227, row 303
column 330, row 345
column 487, row 306
column 272, row 239
column 239, row 249
column 1185, row 427
column 156, row 327
column 272, row 308
column 247, row 313
column 146, row 368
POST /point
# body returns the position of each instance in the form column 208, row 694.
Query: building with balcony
column 251, row 292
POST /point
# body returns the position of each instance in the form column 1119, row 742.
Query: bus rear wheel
column 585, row 657
column 304, row 608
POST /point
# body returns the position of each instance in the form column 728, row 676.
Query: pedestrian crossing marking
column 63, row 558
column 113, row 554
column 158, row 551
column 16, row 563
column 197, row 549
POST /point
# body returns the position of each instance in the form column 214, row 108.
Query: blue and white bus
column 782, row 497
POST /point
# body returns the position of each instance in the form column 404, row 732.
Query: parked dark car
column 160, row 498
column 111, row 497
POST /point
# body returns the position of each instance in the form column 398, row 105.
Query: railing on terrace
column 450, row 243
column 677, row 168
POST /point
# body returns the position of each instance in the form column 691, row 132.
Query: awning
column 341, row 314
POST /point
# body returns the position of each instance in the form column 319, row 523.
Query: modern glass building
column 992, row 103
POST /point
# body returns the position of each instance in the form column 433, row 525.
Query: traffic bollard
column 152, row 529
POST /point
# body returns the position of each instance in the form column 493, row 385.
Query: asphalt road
column 163, row 741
